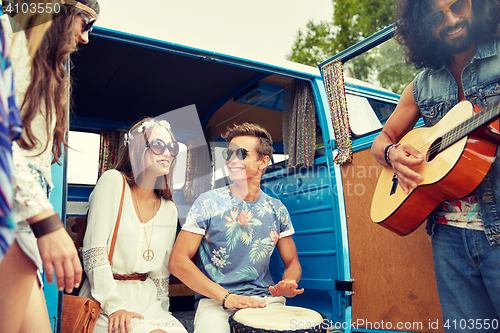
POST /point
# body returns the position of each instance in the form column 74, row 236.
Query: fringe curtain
column 299, row 124
column 111, row 140
column 335, row 92
column 198, row 169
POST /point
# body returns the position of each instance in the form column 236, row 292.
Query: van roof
column 124, row 76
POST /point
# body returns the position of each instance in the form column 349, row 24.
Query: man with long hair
column 456, row 42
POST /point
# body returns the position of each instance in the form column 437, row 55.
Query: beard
column 460, row 44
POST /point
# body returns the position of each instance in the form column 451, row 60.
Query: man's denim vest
column 436, row 92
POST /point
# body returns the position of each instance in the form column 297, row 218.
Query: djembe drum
column 277, row 318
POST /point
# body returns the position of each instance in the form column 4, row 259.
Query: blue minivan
column 359, row 276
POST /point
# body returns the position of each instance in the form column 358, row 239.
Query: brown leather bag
column 80, row 314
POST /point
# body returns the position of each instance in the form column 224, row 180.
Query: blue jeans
column 468, row 279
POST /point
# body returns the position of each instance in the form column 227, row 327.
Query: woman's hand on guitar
column 286, row 288
column 234, row 301
column 402, row 159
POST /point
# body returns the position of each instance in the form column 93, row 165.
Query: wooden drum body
column 278, row 318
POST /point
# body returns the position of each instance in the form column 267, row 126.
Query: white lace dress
column 149, row 298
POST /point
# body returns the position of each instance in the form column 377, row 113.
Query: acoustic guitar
column 458, row 152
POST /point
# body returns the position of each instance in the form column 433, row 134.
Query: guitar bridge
column 394, row 184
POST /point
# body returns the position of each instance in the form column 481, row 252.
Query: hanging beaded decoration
column 299, row 124
column 335, row 92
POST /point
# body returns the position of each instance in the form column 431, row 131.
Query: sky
column 251, row 29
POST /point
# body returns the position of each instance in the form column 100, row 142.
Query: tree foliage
column 353, row 21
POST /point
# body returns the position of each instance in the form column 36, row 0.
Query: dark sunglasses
column 457, row 7
column 241, row 153
column 88, row 24
column 158, row 147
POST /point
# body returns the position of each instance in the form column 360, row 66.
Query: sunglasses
column 241, row 153
column 158, row 147
column 88, row 24
column 457, row 7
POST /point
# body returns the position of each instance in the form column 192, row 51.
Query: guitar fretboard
column 470, row 125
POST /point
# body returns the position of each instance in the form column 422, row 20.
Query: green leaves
column 248, row 274
column 353, row 21
column 260, row 249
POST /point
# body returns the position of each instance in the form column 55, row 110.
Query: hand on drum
column 287, row 288
column 234, row 301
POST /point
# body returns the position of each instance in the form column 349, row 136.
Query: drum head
column 277, row 318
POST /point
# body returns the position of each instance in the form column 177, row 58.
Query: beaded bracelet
column 388, row 150
column 224, row 300
column 47, row 225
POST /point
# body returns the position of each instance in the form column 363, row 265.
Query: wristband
column 46, row 226
column 388, row 150
column 224, row 300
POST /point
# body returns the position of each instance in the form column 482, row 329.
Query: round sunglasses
column 457, row 7
column 88, row 24
column 241, row 153
column 158, row 147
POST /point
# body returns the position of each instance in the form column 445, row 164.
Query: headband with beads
column 128, row 137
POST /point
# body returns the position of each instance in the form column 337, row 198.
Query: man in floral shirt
column 236, row 229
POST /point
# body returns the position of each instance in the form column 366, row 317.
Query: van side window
column 83, row 157
column 367, row 115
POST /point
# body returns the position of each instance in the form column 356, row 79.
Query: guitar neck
column 481, row 118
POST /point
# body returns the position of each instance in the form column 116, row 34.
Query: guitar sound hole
column 434, row 149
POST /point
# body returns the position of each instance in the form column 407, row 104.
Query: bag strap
column 117, row 224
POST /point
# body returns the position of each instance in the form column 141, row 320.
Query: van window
column 383, row 66
column 83, row 160
column 220, row 174
column 362, row 116
column 376, row 79
column 367, row 115
column 179, row 172
column 83, row 157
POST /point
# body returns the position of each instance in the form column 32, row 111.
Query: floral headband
column 128, row 137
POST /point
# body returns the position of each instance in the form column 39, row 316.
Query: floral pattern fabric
column 335, row 92
column 239, row 238
column 109, row 149
column 299, row 124
column 462, row 213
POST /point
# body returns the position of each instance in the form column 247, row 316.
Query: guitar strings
column 450, row 137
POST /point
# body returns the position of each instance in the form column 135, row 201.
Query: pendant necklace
column 148, row 255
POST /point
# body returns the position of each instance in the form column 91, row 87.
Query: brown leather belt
column 135, row 276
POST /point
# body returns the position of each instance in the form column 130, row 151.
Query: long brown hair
column 50, row 83
column 132, row 158
column 421, row 47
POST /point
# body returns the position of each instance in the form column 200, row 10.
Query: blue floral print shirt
column 239, row 238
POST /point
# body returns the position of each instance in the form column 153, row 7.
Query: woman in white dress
column 133, row 290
